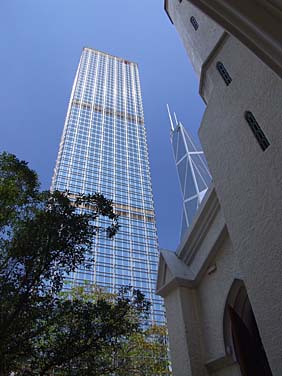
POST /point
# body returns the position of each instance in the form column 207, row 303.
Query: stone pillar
column 185, row 332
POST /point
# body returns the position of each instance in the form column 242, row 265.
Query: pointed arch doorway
column 242, row 337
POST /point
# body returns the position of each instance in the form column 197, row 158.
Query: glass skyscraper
column 103, row 149
column 193, row 172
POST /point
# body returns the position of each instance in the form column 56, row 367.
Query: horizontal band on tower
column 108, row 111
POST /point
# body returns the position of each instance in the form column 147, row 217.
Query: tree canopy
column 85, row 332
column 43, row 237
column 103, row 334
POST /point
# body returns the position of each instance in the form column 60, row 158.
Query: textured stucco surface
column 177, row 335
column 198, row 43
column 195, row 312
column 213, row 291
column 248, row 181
column 256, row 23
column 233, row 370
column 207, row 241
column 185, row 333
column 248, row 185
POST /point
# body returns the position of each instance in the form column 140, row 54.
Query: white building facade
column 222, row 288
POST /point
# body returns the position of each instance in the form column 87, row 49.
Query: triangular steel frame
column 193, row 189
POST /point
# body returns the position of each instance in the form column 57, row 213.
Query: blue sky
column 40, row 49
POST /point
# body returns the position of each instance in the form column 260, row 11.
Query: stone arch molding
column 236, row 298
column 241, row 333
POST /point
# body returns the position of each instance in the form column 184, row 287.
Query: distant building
column 193, row 173
column 222, row 287
column 104, row 149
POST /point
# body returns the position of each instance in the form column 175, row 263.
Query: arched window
column 194, row 23
column 223, row 72
column 257, row 131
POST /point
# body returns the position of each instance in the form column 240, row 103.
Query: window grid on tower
column 104, row 148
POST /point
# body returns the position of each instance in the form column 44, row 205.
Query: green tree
column 43, row 237
column 85, row 330
column 111, row 326
column 44, row 331
column 145, row 353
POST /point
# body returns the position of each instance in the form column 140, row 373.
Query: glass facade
column 193, row 173
column 103, row 149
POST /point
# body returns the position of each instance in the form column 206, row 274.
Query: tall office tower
column 193, row 173
column 103, row 149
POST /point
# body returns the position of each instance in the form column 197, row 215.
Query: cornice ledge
column 166, row 10
column 219, row 363
column 175, row 282
column 201, row 224
column 208, row 61
column 181, row 275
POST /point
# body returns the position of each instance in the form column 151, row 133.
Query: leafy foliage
column 43, row 236
column 81, row 329
column 44, row 331
column 144, row 353
column 111, row 327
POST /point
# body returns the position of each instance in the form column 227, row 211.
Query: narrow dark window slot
column 224, row 73
column 257, row 131
column 194, row 22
